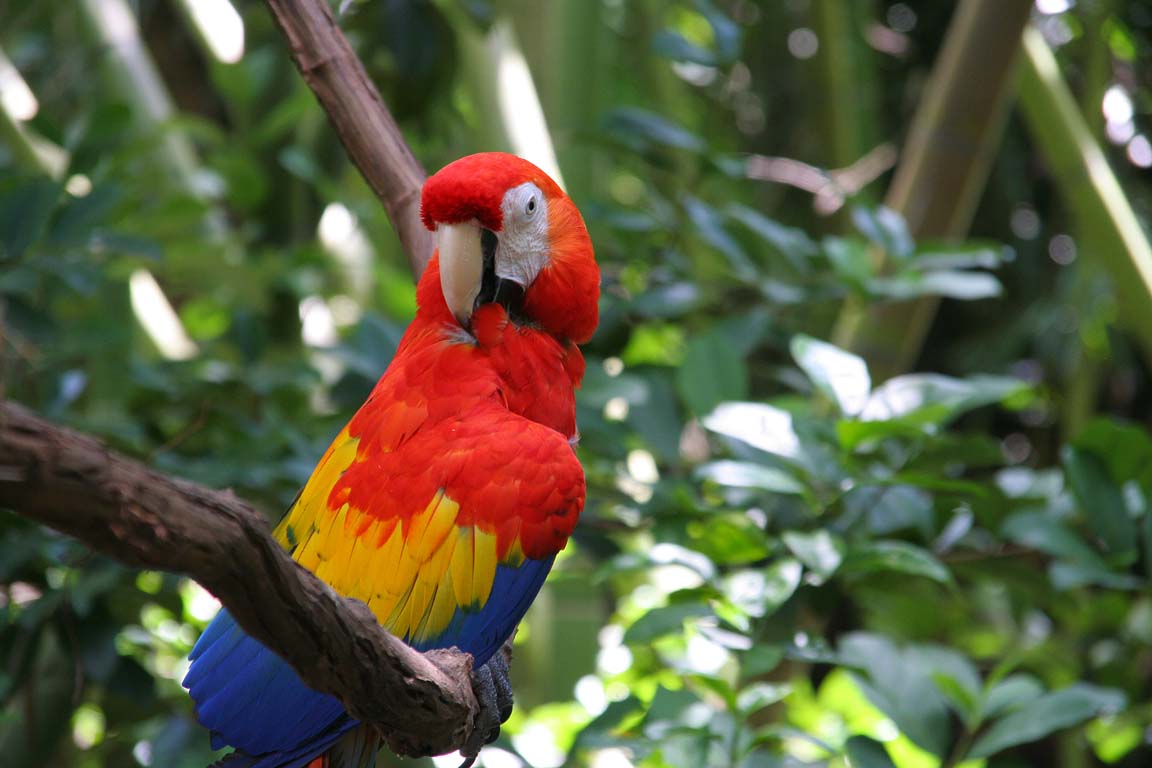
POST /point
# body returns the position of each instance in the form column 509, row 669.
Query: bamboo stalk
column 847, row 89
column 1085, row 365
column 1088, row 185
column 944, row 166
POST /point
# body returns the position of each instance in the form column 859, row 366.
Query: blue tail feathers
column 250, row 699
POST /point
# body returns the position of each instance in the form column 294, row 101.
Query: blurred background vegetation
column 869, row 485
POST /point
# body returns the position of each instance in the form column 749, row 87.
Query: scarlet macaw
column 444, row 501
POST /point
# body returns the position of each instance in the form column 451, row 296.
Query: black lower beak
column 493, row 288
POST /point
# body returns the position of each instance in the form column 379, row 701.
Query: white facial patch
column 523, row 246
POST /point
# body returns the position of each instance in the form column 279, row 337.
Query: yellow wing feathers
column 415, row 577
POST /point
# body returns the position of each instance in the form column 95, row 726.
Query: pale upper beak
column 461, row 267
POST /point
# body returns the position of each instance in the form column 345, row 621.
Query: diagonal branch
column 117, row 506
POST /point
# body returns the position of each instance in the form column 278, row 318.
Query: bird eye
column 530, row 207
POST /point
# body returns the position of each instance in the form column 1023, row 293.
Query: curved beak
column 461, row 267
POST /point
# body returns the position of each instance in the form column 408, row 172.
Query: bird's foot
column 493, row 688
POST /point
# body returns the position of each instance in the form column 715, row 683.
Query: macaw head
column 506, row 233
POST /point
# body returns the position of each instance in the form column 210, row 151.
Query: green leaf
column 962, row 256
column 1041, row 531
column 1102, row 503
column 664, row 621
column 729, row 539
column 638, row 128
column 956, row 284
column 745, row 474
column 892, row 508
column 885, row 228
column 672, row 45
column 963, row 699
column 793, row 244
column 760, row 659
column 819, row 550
column 671, row 300
column 26, row 205
column 864, row 752
column 896, row 556
column 1126, row 449
column 759, row 695
column 932, row 399
column 713, row 372
column 709, row 224
column 850, row 259
column 841, row 376
column 1051, row 712
column 899, row 681
column 1011, row 693
column 1065, row 576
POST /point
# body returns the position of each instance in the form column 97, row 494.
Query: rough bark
column 75, row 484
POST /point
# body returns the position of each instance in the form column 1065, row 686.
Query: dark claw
column 493, row 687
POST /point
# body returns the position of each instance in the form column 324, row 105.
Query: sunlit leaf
column 761, row 592
column 744, row 474
column 839, row 375
column 757, row 424
column 932, row 399
column 819, row 550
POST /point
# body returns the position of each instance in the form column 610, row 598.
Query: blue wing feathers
column 481, row 632
column 251, row 699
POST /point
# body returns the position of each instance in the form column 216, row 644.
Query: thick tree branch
column 364, row 124
column 423, row 703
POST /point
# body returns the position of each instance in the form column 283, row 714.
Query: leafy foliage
column 783, row 562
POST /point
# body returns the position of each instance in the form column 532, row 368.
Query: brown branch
column 830, row 188
column 364, row 124
column 117, row 506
